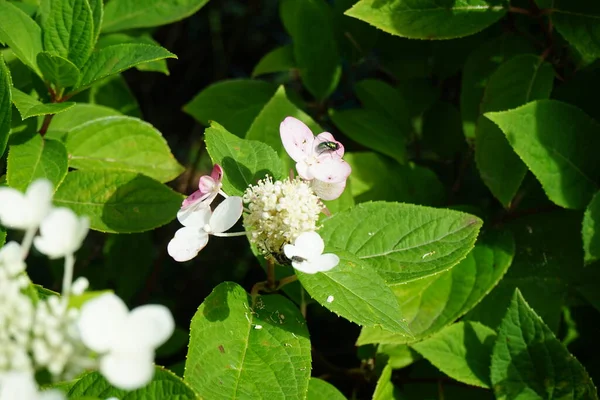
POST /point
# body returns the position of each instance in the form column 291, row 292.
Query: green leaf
column 462, row 351
column 31, row 157
column 5, row 104
column 57, row 70
column 244, row 161
column 315, row 49
column 379, row 96
column 355, row 291
column 529, row 362
column 235, row 343
column 114, row 59
column 80, row 114
column 416, row 19
column 279, row 60
column 518, row 81
column 2, row 236
column 29, row 106
column 122, row 143
column 398, row 355
column 548, row 261
column 376, row 177
column 233, row 104
column 118, row 201
column 265, row 127
column 97, row 7
column 578, row 23
column 114, row 92
column 385, row 388
column 19, row 32
column 120, row 15
column 431, row 303
column 120, row 38
column 164, row 385
column 557, row 142
column 68, row 29
column 373, row 130
column 591, row 230
column 477, row 70
column 319, row 389
column 393, row 238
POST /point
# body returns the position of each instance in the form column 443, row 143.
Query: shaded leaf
column 591, row 230
column 118, row 201
column 280, row 59
column 5, row 104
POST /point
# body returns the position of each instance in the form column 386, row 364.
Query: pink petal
column 206, row 184
column 328, row 191
column 328, row 137
column 330, row 170
column 297, row 138
column 217, row 173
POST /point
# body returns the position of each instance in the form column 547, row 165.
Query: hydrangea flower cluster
column 49, row 335
column 281, row 216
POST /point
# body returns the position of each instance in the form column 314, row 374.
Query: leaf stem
column 46, row 123
column 271, row 283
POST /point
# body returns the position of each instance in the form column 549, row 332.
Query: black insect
column 298, row 259
column 324, row 147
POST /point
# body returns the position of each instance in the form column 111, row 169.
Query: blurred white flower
column 25, row 211
column 198, row 225
column 80, row 285
column 279, row 212
column 22, row 386
column 61, row 233
column 307, row 254
column 124, row 340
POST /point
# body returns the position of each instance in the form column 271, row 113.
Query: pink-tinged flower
column 208, row 188
column 318, row 159
column 198, row 225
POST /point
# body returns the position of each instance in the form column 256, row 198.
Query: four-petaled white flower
column 61, row 233
column 125, row 339
column 25, row 211
column 307, row 254
column 318, row 159
column 199, row 224
column 22, row 386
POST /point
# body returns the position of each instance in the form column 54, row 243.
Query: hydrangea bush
column 413, row 213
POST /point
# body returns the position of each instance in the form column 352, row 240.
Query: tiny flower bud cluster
column 16, row 312
column 279, row 212
column 56, row 343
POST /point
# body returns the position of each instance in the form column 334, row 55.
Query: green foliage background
column 485, row 107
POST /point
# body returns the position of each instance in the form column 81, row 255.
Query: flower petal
column 18, row 385
column 147, row 326
column 330, row 170
column 13, row 211
column 226, row 214
column 325, row 262
column 327, row 191
column 187, row 243
column 39, row 199
column 297, row 138
column 305, row 266
column 309, row 245
column 196, row 217
column 290, row 251
column 217, row 173
column 328, row 137
column 61, row 233
column 128, row 371
column 100, row 321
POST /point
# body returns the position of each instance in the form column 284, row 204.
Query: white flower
column 125, row 340
column 22, row 386
column 307, row 254
column 279, row 212
column 61, row 233
column 198, row 225
column 25, row 211
column 80, row 285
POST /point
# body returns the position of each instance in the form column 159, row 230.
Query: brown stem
column 271, row 282
column 46, row 123
column 518, row 10
column 287, row 280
